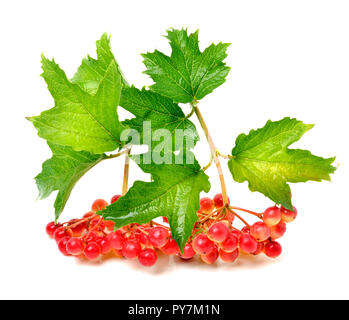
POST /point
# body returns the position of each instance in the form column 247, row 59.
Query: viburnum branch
column 213, row 150
column 126, row 172
column 116, row 155
column 239, row 217
column 259, row 215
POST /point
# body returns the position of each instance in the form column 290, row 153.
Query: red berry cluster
column 213, row 235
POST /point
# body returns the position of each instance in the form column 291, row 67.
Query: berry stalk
column 213, row 150
column 126, row 172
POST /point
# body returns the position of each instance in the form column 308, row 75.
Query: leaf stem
column 213, row 150
column 116, row 155
column 126, row 171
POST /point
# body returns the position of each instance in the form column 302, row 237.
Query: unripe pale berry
column 278, row 231
column 260, row 231
column 247, row 243
column 288, row 216
column 272, row 216
column 206, row 205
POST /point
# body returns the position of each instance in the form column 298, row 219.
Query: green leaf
column 159, row 112
column 173, row 193
column 188, row 74
column 78, row 119
column 62, row 172
column 263, row 159
column 92, row 71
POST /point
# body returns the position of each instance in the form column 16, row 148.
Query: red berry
column 260, row 248
column 288, row 215
column 210, row 257
column 158, row 237
column 247, row 243
column 143, row 239
column 92, row 251
column 98, row 205
column 105, row 244
column 170, row 248
column 272, row 249
column 131, row 249
column 147, row 257
column 206, row 205
column 79, row 229
column 91, row 237
column 278, row 231
column 188, row 252
column 89, row 214
column 116, row 240
column 75, row 246
column 60, row 233
column 202, row 244
column 231, row 243
column 62, row 243
column 51, row 228
column 164, row 219
column 218, row 200
column 272, row 216
column 109, row 225
column 236, row 233
column 218, row 232
column 245, row 229
column 229, row 256
column 260, row 231
column 115, row 198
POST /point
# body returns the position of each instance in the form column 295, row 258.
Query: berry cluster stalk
column 213, row 150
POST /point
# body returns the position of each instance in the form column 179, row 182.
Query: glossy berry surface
column 206, row 205
column 171, row 247
column 75, row 246
column 92, row 251
column 278, row 231
column 98, row 205
column 272, row 216
column 158, row 237
column 210, row 257
column 147, row 257
column 131, row 249
column 228, row 256
column 218, row 232
column 288, row 216
column 115, row 198
column 188, row 252
column 202, row 244
column 260, row 231
column 231, row 243
column 273, row 249
column 247, row 243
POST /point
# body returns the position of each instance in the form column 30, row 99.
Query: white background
column 287, row 58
